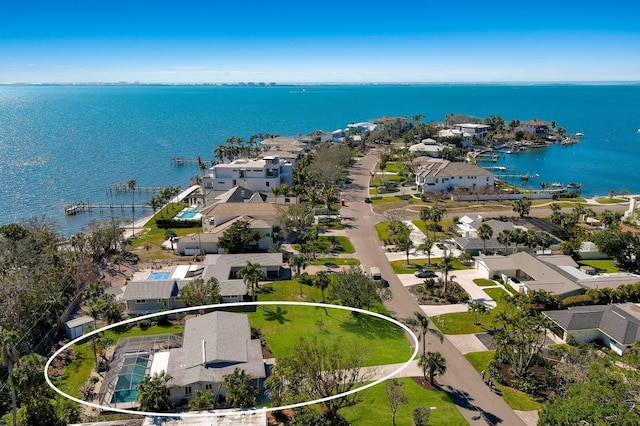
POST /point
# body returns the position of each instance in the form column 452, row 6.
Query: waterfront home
column 213, row 346
column 473, row 130
column 384, row 122
column 617, row 326
column 536, row 127
column 258, row 175
column 444, row 175
column 286, row 148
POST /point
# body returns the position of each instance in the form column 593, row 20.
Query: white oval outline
column 239, row 411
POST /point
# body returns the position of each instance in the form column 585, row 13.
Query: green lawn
column 463, row 322
column 78, row 371
column 373, row 408
column 516, row 399
column 400, row 266
column 601, row 265
column 336, row 261
column 483, row 282
column 382, row 341
column 382, row 229
column 344, row 245
column 607, row 200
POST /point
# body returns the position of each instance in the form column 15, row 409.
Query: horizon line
column 337, row 83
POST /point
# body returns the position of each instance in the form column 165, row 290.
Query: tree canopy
column 240, row 238
column 353, row 288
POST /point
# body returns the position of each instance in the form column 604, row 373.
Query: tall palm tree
column 485, row 232
column 202, row 166
column 426, row 246
column 445, row 266
column 432, row 364
column 504, row 237
column 421, row 322
column 298, row 262
column 251, row 274
column 9, row 358
column 131, row 184
column 321, row 280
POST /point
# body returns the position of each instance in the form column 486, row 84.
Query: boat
column 574, row 185
column 556, row 185
column 638, row 131
column 579, row 134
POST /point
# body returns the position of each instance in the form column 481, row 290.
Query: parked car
column 348, row 181
column 424, row 273
column 367, row 200
column 407, row 183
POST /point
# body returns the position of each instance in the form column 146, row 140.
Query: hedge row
column 172, row 223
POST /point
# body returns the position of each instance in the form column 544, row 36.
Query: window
column 140, row 301
column 160, row 300
column 187, row 390
column 208, row 386
column 267, row 184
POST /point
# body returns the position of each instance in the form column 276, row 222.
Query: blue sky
column 318, row 41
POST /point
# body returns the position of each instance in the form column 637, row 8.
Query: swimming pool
column 133, row 371
column 187, row 214
column 158, row 276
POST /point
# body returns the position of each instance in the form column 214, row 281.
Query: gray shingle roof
column 151, row 289
column 213, row 346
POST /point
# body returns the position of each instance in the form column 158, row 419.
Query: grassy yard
column 344, row 246
column 401, row 267
column 516, row 399
column 336, row 261
column 607, row 200
column 78, row 371
column 382, row 341
column 483, row 282
column 463, row 322
column 373, row 408
column 601, row 265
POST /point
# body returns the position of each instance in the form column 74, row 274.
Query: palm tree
column 298, row 262
column 445, row 265
column 131, row 184
column 202, row 166
column 251, row 274
column 485, row 232
column 321, row 280
column 479, row 309
column 437, row 213
column 432, row 364
column 421, row 321
column 153, row 393
column 277, row 191
column 170, row 234
column 504, row 237
column 9, row 358
column 426, row 246
column 241, row 393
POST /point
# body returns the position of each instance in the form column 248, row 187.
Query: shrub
column 579, row 300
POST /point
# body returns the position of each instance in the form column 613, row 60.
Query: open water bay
column 64, row 144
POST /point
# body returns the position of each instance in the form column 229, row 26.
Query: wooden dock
column 123, row 188
column 84, row 207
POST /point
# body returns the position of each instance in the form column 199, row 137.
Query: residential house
column 427, row 147
column 617, row 326
column 557, row 274
column 469, row 242
column 477, row 131
column 444, row 175
column 146, row 294
column 536, row 127
column 384, row 122
column 213, row 346
column 466, row 139
column 258, row 175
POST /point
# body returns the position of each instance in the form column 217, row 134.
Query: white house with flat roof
column 257, row 175
column 478, row 131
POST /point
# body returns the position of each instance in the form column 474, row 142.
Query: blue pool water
column 187, row 214
column 158, row 276
column 132, row 373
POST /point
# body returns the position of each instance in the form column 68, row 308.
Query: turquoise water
column 187, row 214
column 132, row 373
column 62, row 145
column 158, row 276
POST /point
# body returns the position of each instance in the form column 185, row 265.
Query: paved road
column 463, row 384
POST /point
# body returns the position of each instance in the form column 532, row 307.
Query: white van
column 376, row 276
